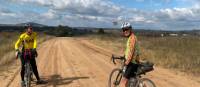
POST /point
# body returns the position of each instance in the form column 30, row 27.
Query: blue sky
column 149, row 14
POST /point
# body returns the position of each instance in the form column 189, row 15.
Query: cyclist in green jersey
column 131, row 53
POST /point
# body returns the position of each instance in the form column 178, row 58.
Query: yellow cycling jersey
column 132, row 48
column 28, row 41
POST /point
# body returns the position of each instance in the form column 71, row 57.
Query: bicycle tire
column 27, row 76
column 132, row 82
column 117, row 79
column 145, row 82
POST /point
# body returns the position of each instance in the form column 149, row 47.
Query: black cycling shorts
column 130, row 70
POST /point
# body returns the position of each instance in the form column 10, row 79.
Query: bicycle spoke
column 146, row 83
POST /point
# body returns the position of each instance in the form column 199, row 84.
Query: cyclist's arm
column 35, row 41
column 131, row 51
column 18, row 43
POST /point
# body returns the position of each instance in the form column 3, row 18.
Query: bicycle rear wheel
column 132, row 82
column 115, row 78
column 145, row 82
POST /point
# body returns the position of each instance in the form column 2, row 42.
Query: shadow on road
column 56, row 80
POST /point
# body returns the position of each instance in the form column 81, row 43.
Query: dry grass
column 173, row 52
column 179, row 53
column 6, row 45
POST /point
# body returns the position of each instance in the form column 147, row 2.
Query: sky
column 142, row 14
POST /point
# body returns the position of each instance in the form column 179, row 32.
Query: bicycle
column 28, row 75
column 136, row 81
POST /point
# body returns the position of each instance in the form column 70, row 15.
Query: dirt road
column 71, row 62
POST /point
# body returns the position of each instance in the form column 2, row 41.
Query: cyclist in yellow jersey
column 28, row 39
column 29, row 43
column 131, row 53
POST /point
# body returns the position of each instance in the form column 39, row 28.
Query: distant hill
column 32, row 24
column 20, row 27
column 25, row 24
column 7, row 24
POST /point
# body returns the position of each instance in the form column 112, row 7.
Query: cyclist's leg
column 126, row 75
column 123, row 82
column 34, row 68
column 134, row 68
column 22, row 68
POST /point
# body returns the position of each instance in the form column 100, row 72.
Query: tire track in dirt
column 67, row 62
column 76, row 62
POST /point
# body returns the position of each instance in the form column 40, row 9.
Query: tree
column 101, row 31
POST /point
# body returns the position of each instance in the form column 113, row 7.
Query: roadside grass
column 179, row 53
column 6, row 45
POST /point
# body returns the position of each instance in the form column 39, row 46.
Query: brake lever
column 17, row 55
column 113, row 59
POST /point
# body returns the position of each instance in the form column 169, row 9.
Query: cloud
column 179, row 18
column 169, row 18
column 101, row 13
column 177, row 13
column 85, row 10
column 50, row 14
column 92, row 7
column 6, row 12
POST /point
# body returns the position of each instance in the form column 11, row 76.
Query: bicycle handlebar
column 113, row 58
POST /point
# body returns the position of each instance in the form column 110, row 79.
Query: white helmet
column 126, row 25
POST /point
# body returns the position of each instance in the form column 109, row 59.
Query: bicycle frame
column 118, row 79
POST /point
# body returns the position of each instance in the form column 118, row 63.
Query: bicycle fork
column 118, row 79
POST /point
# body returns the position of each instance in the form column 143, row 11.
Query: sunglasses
column 30, row 28
column 125, row 29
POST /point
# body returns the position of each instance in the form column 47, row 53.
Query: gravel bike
column 136, row 81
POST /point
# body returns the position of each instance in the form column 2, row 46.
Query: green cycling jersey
column 132, row 48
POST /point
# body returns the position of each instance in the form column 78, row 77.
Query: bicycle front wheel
column 115, row 78
column 27, row 75
column 145, row 82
